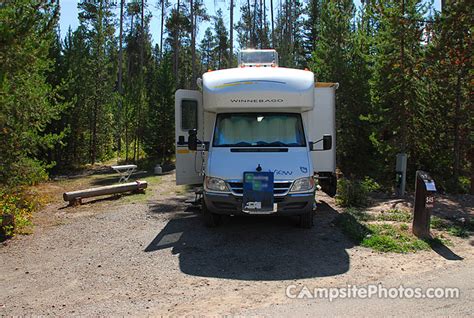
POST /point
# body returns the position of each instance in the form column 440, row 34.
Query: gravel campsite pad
column 149, row 254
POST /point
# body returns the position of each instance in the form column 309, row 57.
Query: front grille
column 280, row 188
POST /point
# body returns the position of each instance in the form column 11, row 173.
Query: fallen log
column 75, row 197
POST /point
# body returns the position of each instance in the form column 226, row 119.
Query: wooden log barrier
column 75, row 197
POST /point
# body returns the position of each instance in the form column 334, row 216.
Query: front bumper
column 229, row 204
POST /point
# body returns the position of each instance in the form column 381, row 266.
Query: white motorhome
column 263, row 121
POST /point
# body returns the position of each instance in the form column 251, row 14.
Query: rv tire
column 210, row 219
column 306, row 220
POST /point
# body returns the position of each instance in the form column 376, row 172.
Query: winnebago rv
column 256, row 137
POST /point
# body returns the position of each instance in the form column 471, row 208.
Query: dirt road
column 153, row 256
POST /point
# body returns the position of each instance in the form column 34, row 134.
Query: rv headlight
column 303, row 185
column 215, row 184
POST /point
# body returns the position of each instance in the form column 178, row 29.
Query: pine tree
column 221, row 41
column 76, row 52
column 198, row 15
column 96, row 18
column 445, row 126
column 159, row 130
column 339, row 57
column 28, row 103
column 289, row 35
column 397, row 92
column 138, row 59
column 245, row 35
column 312, row 27
column 206, row 49
column 178, row 28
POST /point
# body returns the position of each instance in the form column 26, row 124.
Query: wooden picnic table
column 125, row 171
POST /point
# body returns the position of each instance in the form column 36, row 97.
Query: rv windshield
column 259, row 130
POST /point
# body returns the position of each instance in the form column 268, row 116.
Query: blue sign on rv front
column 258, row 192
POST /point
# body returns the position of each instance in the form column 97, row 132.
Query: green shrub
column 438, row 223
column 459, row 231
column 16, row 209
column 453, row 228
column 464, row 184
column 351, row 193
column 24, row 171
column 370, row 184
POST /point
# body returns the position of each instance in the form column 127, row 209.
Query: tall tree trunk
column 457, row 141
column 254, row 31
column 94, row 134
column 443, row 5
column 176, row 46
column 127, row 141
column 471, row 158
column 273, row 27
column 404, row 118
column 142, row 81
column 91, row 131
column 162, row 26
column 127, row 130
column 288, row 32
column 193, row 47
column 120, row 76
column 314, row 26
column 261, row 24
column 265, row 22
column 249, row 44
column 231, row 32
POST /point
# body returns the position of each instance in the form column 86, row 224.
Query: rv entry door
column 188, row 115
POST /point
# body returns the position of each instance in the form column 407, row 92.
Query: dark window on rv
column 189, row 116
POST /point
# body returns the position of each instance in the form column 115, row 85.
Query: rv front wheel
column 210, row 219
column 306, row 220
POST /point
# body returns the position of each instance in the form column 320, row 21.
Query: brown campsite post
column 424, row 201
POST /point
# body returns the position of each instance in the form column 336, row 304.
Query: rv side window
column 189, row 114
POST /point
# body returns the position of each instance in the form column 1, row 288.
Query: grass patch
column 153, row 182
column 395, row 215
column 151, row 179
column 380, row 237
column 459, row 229
column 393, row 238
column 438, row 223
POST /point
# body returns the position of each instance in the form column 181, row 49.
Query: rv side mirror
column 192, row 139
column 327, row 142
